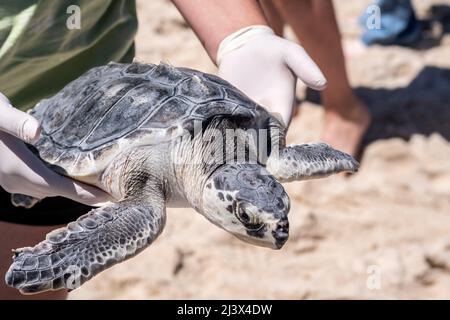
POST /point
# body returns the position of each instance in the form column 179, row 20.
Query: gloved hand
column 22, row 172
column 266, row 67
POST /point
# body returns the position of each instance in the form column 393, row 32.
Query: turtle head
column 245, row 200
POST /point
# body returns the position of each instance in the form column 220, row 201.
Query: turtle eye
column 250, row 222
column 242, row 215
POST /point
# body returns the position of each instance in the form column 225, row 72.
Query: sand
column 383, row 233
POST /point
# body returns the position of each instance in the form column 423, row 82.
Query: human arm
column 213, row 20
column 249, row 55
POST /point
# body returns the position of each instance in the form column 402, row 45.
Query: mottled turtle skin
column 133, row 130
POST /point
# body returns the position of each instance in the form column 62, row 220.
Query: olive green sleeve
column 40, row 54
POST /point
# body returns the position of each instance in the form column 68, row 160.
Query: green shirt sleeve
column 40, row 54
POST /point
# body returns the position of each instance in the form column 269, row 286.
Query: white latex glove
column 22, row 172
column 266, row 67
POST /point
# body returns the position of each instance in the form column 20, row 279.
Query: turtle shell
column 117, row 106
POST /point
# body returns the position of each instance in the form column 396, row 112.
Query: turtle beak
column 281, row 232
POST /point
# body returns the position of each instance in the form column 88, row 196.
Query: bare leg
column 273, row 17
column 314, row 23
column 14, row 236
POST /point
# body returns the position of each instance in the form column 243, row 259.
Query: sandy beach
column 383, row 233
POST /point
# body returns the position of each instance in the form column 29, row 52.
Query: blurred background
column 382, row 233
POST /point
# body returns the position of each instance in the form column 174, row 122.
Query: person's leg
column 273, row 17
column 314, row 23
column 13, row 236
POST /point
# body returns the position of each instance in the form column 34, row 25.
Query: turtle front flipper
column 309, row 161
column 72, row 255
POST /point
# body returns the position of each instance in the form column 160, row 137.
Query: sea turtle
column 155, row 136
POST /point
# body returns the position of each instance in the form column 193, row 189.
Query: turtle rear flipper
column 309, row 161
column 24, row 201
column 72, row 255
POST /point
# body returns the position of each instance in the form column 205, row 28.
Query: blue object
column 390, row 22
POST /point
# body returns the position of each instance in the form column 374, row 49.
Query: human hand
column 22, row 172
column 266, row 67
